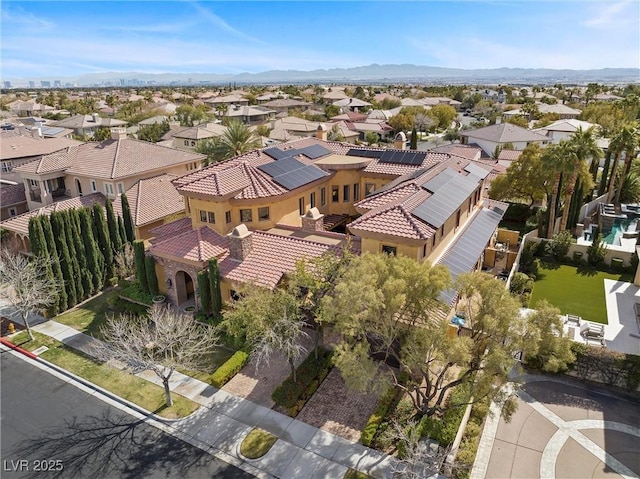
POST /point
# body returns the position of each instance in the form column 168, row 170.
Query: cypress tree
column 414, row 138
column 103, row 240
column 112, row 225
column 91, row 249
column 122, row 232
column 141, row 274
column 57, row 226
column 55, row 262
column 205, row 291
column 150, row 271
column 214, row 285
column 40, row 250
column 81, row 255
column 128, row 220
column 73, row 255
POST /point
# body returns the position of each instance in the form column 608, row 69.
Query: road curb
column 17, row 348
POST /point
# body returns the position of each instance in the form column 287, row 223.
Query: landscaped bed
column 89, row 317
column 574, row 290
column 132, row 388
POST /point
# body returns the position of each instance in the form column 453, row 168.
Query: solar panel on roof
column 403, row 157
column 278, row 154
column 281, row 166
column 438, row 181
column 446, row 199
column 361, row 152
column 476, row 170
column 314, row 151
column 299, row 177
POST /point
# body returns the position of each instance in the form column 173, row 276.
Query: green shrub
column 230, row 368
column 310, row 374
column 559, row 246
column 370, row 429
column 517, row 212
column 135, row 292
column 444, row 430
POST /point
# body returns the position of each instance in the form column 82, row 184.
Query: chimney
column 96, row 117
column 321, row 132
column 118, row 133
column 240, row 242
column 400, row 141
column 36, row 132
column 498, row 120
column 313, row 221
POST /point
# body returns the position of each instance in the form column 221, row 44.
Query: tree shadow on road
column 115, row 445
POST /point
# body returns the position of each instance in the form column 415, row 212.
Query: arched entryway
column 184, row 287
column 78, row 187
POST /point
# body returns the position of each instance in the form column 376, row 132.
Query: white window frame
column 13, row 212
column 94, row 186
column 120, row 188
column 6, row 167
column 108, row 189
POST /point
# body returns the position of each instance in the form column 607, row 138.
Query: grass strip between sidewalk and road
column 121, row 383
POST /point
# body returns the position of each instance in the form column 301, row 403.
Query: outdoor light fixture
column 168, row 282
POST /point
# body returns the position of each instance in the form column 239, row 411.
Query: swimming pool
column 619, row 227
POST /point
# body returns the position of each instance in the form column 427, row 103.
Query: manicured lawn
column 210, row 362
column 257, row 443
column 121, row 383
column 574, row 291
column 89, row 317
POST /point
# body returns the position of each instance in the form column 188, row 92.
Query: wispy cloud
column 607, row 15
column 176, row 27
column 17, row 17
column 218, row 22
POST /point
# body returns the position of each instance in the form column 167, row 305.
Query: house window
column 301, row 206
column 108, row 189
column 433, row 241
column 263, row 213
column 13, row 212
column 369, row 188
column 392, row 250
column 193, row 143
column 424, row 250
column 211, row 217
column 457, row 218
column 346, row 193
column 334, row 194
column 33, row 182
column 442, row 232
column 470, row 203
column 312, row 200
column 94, row 187
column 356, row 192
column 203, row 216
column 323, row 196
column 120, row 188
column 246, row 216
column 234, row 295
column 186, row 142
column 227, row 216
column 6, row 166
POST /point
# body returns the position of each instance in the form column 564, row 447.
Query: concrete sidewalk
column 224, row 420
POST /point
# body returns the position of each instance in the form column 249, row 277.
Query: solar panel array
column 313, row 152
column 291, row 173
column 449, row 192
column 399, row 157
column 464, row 254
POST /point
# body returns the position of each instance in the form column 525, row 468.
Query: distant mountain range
column 364, row 74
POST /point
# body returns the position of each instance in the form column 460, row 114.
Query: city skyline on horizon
column 67, row 39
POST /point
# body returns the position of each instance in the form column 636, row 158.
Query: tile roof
column 111, row 159
column 20, row 224
column 152, row 199
column 504, row 133
column 396, row 169
column 261, row 266
column 15, row 145
column 87, row 121
column 285, row 103
column 12, row 194
column 509, row 155
column 167, row 230
column 570, row 125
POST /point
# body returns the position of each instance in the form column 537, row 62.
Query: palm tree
column 621, row 141
column 630, row 144
column 237, row 140
column 581, row 146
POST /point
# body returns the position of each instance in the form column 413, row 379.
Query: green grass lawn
column 574, row 291
column 89, row 317
column 121, row 383
column 210, row 362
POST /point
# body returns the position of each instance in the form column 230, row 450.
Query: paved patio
column 562, row 429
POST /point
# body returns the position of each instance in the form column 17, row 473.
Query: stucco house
column 500, row 135
column 86, row 125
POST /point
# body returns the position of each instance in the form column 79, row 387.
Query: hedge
column 230, row 368
column 378, row 415
column 134, row 291
column 292, row 396
column 444, row 430
column 606, row 366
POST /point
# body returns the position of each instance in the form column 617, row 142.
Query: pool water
column 619, row 227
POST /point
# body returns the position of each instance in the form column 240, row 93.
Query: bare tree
column 421, row 457
column 26, row 284
column 162, row 341
column 125, row 262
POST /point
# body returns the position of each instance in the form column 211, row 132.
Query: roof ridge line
column 138, row 195
column 115, row 159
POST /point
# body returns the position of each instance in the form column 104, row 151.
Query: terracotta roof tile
column 20, row 224
column 14, row 145
column 152, row 199
column 193, row 245
column 12, row 194
column 168, row 230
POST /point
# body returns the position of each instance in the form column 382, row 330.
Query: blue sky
column 65, row 39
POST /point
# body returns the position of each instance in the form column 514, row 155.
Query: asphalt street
column 49, row 428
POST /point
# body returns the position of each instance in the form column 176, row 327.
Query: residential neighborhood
column 352, row 274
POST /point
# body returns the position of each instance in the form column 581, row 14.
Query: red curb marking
column 8, row 343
